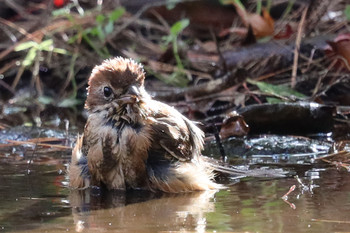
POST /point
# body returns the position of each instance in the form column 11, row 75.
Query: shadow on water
column 35, row 197
column 139, row 211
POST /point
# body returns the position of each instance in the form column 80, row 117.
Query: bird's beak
column 131, row 96
column 133, row 90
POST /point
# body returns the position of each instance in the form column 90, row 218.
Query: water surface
column 35, row 198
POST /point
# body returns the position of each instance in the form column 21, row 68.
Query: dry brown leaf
column 262, row 25
column 340, row 46
column 233, row 125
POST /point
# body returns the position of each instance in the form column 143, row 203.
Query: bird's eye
column 107, row 91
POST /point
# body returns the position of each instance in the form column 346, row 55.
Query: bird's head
column 118, row 81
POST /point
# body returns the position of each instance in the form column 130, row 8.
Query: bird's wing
column 171, row 139
column 175, row 137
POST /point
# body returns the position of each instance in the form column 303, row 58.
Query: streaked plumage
column 131, row 141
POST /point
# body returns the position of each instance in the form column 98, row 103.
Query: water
column 35, row 197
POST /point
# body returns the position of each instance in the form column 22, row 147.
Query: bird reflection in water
column 140, row 211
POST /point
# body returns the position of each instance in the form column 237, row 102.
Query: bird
column 132, row 141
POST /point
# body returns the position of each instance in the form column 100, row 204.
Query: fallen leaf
column 233, row 125
column 285, row 33
column 340, row 46
column 276, row 90
column 262, row 25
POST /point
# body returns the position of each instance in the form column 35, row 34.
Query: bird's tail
column 222, row 168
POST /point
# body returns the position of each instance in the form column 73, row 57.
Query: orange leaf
column 262, row 25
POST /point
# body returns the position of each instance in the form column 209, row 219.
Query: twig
column 213, row 86
column 7, row 66
column 133, row 19
column 332, row 84
column 155, row 48
column 4, row 126
column 8, row 144
column 330, row 221
column 291, row 189
column 18, row 77
column 32, row 155
column 301, row 183
column 269, row 75
column 338, row 164
column 291, row 205
column 253, row 95
column 218, row 142
column 46, row 139
column 7, row 87
column 332, row 155
column 218, row 50
column 19, row 29
column 60, row 26
column 71, row 72
column 297, row 46
column 161, row 20
column 318, row 84
column 163, row 67
column 36, row 143
column 19, row 9
column 36, row 77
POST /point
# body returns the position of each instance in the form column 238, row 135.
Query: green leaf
column 100, row 33
column 100, row 18
column 178, row 79
column 63, row 11
column 238, row 3
column 347, row 12
column 72, row 39
column 175, row 79
column 258, row 7
column 272, row 100
column 69, row 102
column 29, row 59
column 45, row 45
column 116, row 14
column 60, row 12
column 60, row 51
column 45, row 100
column 179, row 26
column 170, row 4
column 276, row 90
column 92, row 31
column 109, row 27
column 167, row 40
column 55, row 50
column 101, row 52
column 25, row 45
column 175, row 30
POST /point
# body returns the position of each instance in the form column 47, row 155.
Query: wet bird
column 132, row 141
